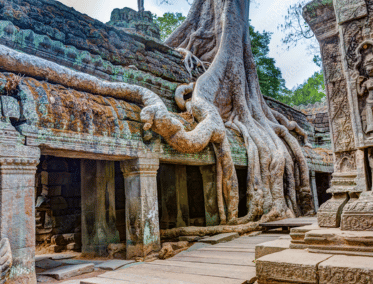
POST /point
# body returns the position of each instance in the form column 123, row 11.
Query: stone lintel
column 142, row 217
column 17, row 209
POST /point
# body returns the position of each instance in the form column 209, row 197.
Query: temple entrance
column 75, row 200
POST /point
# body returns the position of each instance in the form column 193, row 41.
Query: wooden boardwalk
column 224, row 263
column 290, row 223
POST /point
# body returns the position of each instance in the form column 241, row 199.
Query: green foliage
column 168, row 23
column 270, row 77
column 310, row 92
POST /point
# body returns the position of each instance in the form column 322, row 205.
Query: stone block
column 289, row 266
column 358, row 215
column 10, row 107
column 271, row 247
column 47, row 264
column 346, row 269
column 220, row 238
column 348, row 10
column 329, row 214
column 64, row 272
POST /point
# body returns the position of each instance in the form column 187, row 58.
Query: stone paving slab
column 149, row 270
column 220, row 238
column 289, row 266
column 114, row 264
column 271, row 247
column 65, row 272
column 347, row 268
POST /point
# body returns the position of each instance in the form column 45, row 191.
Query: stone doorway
column 323, row 183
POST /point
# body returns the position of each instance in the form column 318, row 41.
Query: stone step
column 346, row 267
column 289, row 266
column 114, row 264
column 65, row 272
column 220, row 238
column 271, row 247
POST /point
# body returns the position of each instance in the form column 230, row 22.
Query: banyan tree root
column 5, row 259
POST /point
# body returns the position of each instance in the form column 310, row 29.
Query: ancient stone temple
column 81, row 168
column 339, row 248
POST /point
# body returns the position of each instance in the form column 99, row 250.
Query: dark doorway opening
column 322, row 185
column 242, row 186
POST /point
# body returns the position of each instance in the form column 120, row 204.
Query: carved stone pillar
column 142, row 220
column 98, row 206
column 17, row 223
column 209, row 191
column 314, row 190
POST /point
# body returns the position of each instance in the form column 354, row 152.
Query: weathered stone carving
column 358, row 215
column 5, row 259
column 364, row 82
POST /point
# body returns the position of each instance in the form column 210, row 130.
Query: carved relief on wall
column 345, row 162
column 336, row 86
column 363, row 77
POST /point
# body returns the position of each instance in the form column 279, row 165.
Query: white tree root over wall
column 226, row 95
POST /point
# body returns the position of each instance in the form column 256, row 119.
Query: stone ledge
column 289, row 266
column 346, row 269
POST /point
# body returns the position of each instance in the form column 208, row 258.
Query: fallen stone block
column 47, row 264
column 65, row 272
column 220, row 238
column 114, row 264
column 346, row 269
column 289, row 266
column 271, row 247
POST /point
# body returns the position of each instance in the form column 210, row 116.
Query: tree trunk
column 217, row 31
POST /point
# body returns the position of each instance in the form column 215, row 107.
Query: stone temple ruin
column 79, row 169
column 339, row 248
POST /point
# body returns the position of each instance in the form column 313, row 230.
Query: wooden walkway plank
column 208, row 269
column 155, row 272
column 229, row 249
column 227, row 261
column 221, row 254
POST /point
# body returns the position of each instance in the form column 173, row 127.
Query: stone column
column 17, row 217
column 142, row 220
column 210, row 194
column 182, row 197
column 98, row 206
column 314, row 190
